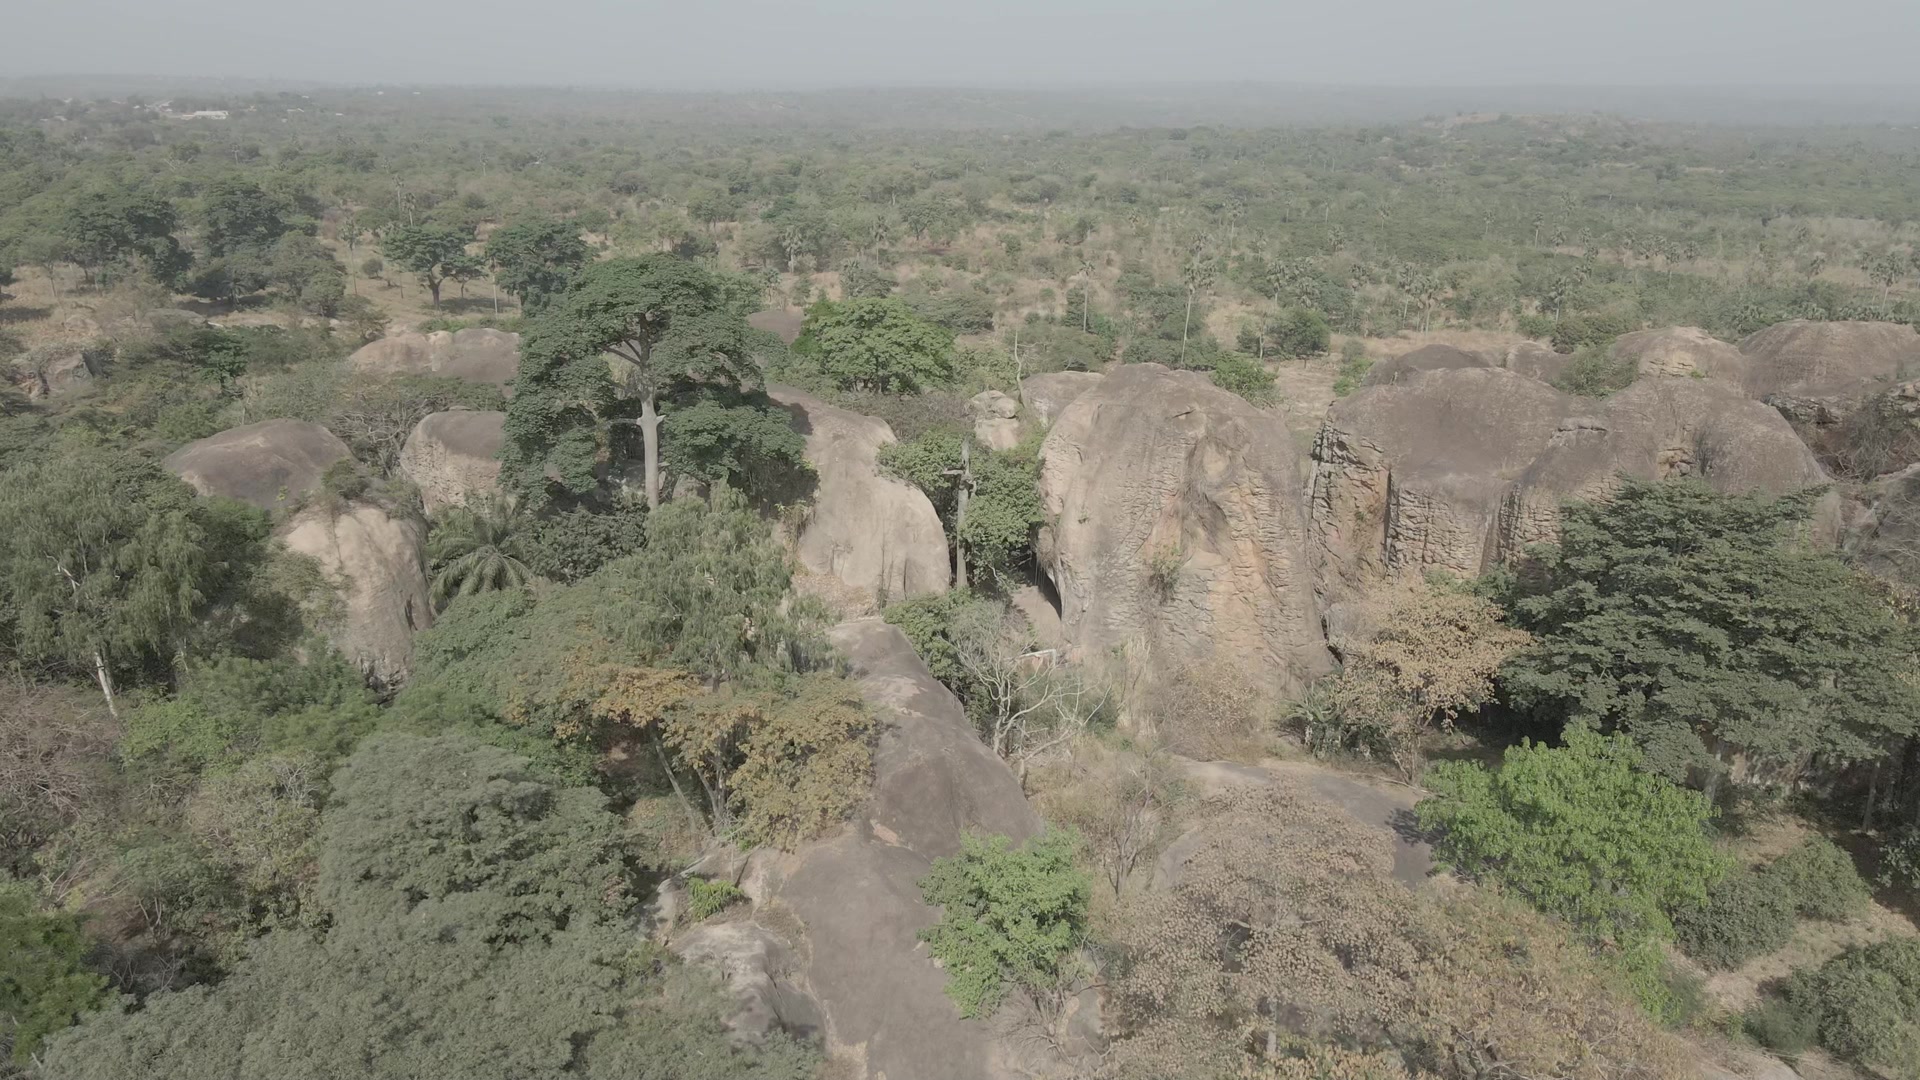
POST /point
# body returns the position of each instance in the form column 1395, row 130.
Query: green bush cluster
column 1865, row 1004
column 1753, row 912
column 707, row 898
column 1010, row 915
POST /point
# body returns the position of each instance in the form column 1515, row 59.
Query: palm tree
column 477, row 550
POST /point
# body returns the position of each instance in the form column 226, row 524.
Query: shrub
column 1244, row 376
column 1593, row 373
column 345, row 479
column 1747, row 914
column 1354, row 363
column 1583, row 831
column 1900, row 860
column 1211, row 712
column 1821, row 880
column 1577, row 332
column 1782, row 1027
column 1009, row 915
column 705, row 898
column 1865, row 1001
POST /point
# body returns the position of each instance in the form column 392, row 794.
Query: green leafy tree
column 876, row 344
column 481, row 903
column 537, row 260
column 1009, row 915
column 670, row 322
column 45, row 984
column 237, row 214
column 433, row 252
column 572, row 544
column 99, row 230
column 1243, row 376
column 1582, row 831
column 1695, row 623
column 106, row 562
column 1003, row 506
column 719, row 435
column 477, row 549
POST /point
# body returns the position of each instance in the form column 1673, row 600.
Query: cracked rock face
column 1177, row 530
column 475, row 354
column 1458, row 469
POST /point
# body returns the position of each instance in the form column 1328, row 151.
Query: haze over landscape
column 771, row 44
column 1057, row 540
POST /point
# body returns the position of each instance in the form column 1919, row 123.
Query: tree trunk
column 106, row 683
column 650, row 449
column 433, row 286
column 960, row 516
column 693, row 812
column 1184, row 327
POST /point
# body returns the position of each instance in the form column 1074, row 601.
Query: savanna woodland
column 538, row 584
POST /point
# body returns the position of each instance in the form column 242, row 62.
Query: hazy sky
column 809, row 43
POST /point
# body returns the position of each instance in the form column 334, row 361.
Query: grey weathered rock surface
column 877, row 994
column 1395, row 369
column 994, row 416
column 1534, row 360
column 266, row 464
column 1681, row 352
column 1816, row 372
column 48, row 371
column 1654, row 429
column 476, row 354
column 375, row 561
column 1047, row 396
column 1411, row 475
column 1177, row 529
column 870, row 530
column 1455, row 469
column 453, row 457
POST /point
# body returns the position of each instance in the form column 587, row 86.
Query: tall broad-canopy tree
column 434, row 252
column 876, row 343
column 667, row 324
column 473, row 922
column 100, row 230
column 106, row 562
column 537, row 260
column 237, row 214
column 1697, row 624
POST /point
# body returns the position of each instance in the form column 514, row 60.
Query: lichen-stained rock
column 995, row 423
column 1426, row 358
column 1818, row 372
column 1681, row 352
column 374, row 559
column 1410, row 476
column 1047, row 396
column 476, row 355
column 871, row 530
column 454, row 457
column 1177, row 533
column 270, row 464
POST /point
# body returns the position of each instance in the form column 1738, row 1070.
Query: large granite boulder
column 858, row 975
column 1047, row 396
column 454, row 457
column 1411, row 475
column 1177, row 532
column 871, row 530
column 1426, row 358
column 1457, row 469
column 1655, row 429
column 476, row 355
column 375, row 561
column 995, row 420
column 1534, row 360
column 1681, row 352
column 268, row 464
column 49, row 371
column 1818, row 372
